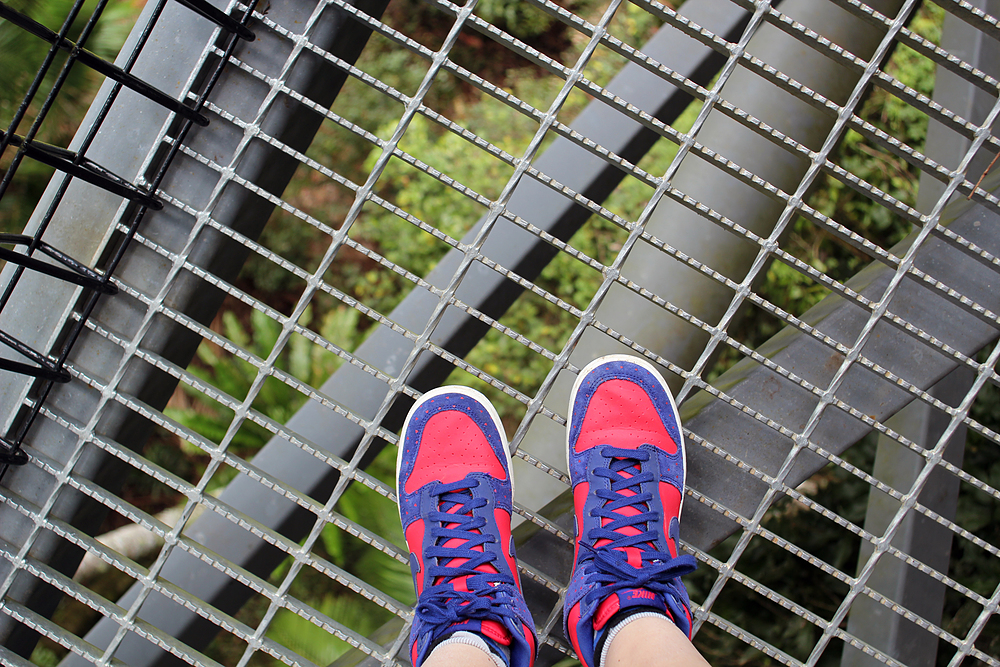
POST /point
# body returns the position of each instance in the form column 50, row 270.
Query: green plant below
column 312, row 364
column 451, row 212
column 313, row 642
column 376, row 513
column 301, row 358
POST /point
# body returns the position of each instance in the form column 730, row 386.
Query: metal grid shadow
column 278, row 224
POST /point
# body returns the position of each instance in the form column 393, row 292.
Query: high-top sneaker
column 455, row 502
column 626, row 464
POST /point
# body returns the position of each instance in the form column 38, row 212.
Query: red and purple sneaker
column 626, row 465
column 455, row 502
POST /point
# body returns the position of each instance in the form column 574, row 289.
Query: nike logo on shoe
column 641, row 594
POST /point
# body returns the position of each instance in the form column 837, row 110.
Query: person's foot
column 626, row 463
column 455, row 502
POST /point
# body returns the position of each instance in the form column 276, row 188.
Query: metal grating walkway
column 325, row 208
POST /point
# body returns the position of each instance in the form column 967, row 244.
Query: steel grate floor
column 789, row 207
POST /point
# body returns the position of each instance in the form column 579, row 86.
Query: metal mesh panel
column 388, row 197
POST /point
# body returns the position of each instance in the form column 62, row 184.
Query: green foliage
column 883, row 170
column 234, row 375
column 311, row 364
column 453, row 213
column 520, row 19
column 364, row 507
column 380, row 515
column 313, row 642
column 431, row 201
column 795, row 292
column 346, row 153
column 427, row 198
column 24, row 53
column 44, row 656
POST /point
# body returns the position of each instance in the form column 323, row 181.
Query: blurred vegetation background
column 451, row 212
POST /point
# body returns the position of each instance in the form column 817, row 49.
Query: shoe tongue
column 453, row 506
column 496, row 632
column 452, row 503
column 633, row 554
column 489, row 629
column 624, row 599
column 625, row 465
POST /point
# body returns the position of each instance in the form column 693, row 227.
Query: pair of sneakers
column 626, row 462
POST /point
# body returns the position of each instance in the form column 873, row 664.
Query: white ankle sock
column 472, row 639
column 617, row 627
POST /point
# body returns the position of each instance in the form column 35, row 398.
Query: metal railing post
column 920, row 536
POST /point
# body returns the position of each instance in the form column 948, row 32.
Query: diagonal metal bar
column 84, row 169
column 219, row 17
column 75, row 272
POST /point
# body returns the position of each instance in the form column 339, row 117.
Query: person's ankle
column 497, row 652
column 617, row 623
